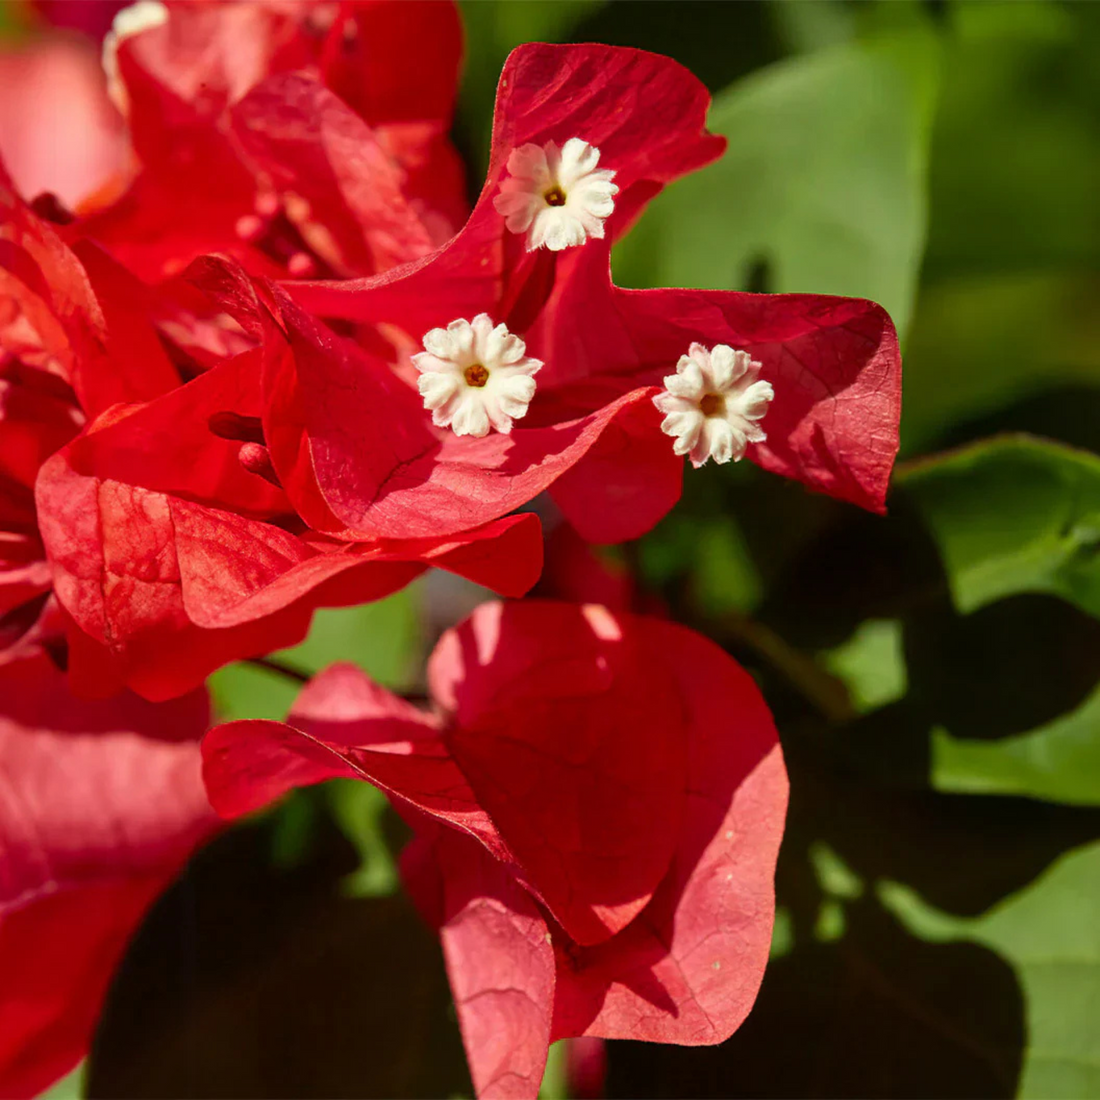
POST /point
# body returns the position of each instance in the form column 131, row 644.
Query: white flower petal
column 557, row 196
column 688, row 381
column 467, row 401
column 671, row 403
column 437, row 389
column 528, row 162
column 722, row 370
column 755, row 400
column 713, row 404
column 470, row 418
column 439, row 343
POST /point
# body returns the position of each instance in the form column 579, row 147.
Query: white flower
column 142, row 16
column 474, row 376
column 557, row 197
column 713, row 404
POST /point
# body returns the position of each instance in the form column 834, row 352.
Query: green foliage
column 1013, row 515
column 1050, row 932
column 1059, row 761
column 978, row 343
column 872, row 663
column 358, row 809
column 493, row 29
column 73, row 1085
column 1015, row 160
column 822, row 182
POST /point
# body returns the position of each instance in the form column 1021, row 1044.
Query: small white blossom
column 142, row 16
column 474, row 376
column 713, row 404
column 557, row 196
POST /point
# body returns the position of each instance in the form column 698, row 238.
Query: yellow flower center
column 476, row 376
column 713, row 404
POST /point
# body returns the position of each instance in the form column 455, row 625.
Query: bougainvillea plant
column 614, row 882
column 274, row 363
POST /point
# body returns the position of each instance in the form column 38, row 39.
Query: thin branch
column 277, row 666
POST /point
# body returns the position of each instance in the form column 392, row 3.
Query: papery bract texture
column 598, row 801
column 100, row 806
column 173, row 553
column 170, row 544
column 328, row 145
column 591, row 434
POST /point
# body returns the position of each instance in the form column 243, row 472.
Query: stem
column 277, row 666
column 819, row 688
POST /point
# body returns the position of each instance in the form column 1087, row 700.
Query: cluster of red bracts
column 211, row 425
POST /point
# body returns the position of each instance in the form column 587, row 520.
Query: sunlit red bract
column 591, row 434
column 598, row 803
column 328, row 156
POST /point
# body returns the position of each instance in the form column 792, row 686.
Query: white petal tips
column 714, row 403
column 557, row 196
column 474, row 376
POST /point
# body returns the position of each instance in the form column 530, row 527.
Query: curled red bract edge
column 598, row 801
column 326, row 150
column 834, row 363
column 161, row 591
column 170, row 543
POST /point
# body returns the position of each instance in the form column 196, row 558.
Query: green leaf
column 1059, row 761
column 70, row 1087
column 493, row 29
column 1015, row 161
column 243, row 690
column 823, row 181
column 979, row 342
column 871, row 663
column 358, row 809
column 382, row 638
column 1013, row 514
column 1050, row 932
column 555, row 1078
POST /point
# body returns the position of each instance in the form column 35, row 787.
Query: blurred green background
column 934, row 674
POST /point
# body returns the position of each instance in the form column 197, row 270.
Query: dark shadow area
column 717, row 42
column 877, row 1014
column 249, row 981
column 859, row 566
column 961, row 853
column 1009, row 667
column 1069, row 414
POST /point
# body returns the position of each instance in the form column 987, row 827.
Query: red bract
column 598, row 800
column 70, row 345
column 174, row 550
column 329, row 148
column 203, row 562
column 591, row 434
column 100, row 806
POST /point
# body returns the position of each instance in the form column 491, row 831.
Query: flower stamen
column 714, row 403
column 557, row 196
column 474, row 377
